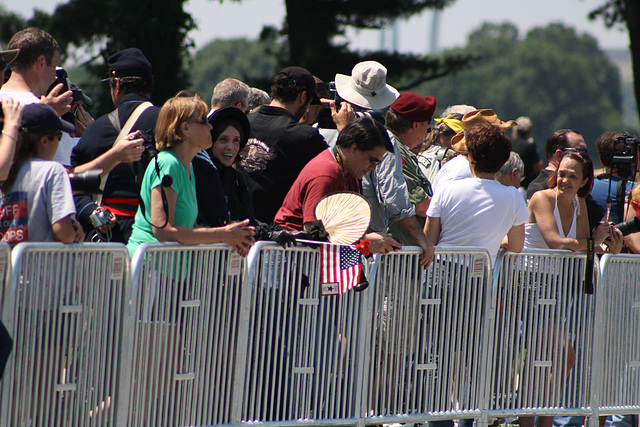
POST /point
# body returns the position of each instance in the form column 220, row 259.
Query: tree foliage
column 627, row 13
column 310, row 38
column 241, row 59
column 556, row 77
column 157, row 27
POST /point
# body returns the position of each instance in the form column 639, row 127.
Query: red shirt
column 321, row 176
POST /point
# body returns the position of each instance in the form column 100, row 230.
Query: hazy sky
column 246, row 18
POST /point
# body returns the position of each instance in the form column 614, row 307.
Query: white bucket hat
column 367, row 86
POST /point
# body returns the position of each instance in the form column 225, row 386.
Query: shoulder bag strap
column 126, row 129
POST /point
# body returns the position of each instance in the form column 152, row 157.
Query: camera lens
column 629, row 227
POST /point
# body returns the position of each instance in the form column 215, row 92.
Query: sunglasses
column 202, row 120
column 582, row 152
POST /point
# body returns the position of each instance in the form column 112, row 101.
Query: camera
column 100, row 217
column 625, row 156
column 86, row 182
column 630, row 226
column 331, row 87
column 61, row 77
column 150, row 150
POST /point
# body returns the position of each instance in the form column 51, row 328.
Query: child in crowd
column 37, row 202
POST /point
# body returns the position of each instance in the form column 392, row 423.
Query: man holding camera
column 120, row 144
column 617, row 180
column 34, row 69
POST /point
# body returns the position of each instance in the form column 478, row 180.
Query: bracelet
column 10, row 136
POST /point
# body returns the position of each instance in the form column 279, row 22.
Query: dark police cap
column 129, row 62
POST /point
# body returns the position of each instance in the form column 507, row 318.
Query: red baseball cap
column 414, row 107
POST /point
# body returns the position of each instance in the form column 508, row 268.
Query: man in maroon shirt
column 359, row 149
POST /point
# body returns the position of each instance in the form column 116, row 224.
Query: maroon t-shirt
column 321, row 176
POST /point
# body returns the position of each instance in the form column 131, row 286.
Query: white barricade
column 428, row 334
column 302, row 350
column 542, row 347
column 618, row 344
column 64, row 311
column 185, row 311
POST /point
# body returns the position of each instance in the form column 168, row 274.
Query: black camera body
column 625, row 156
column 150, row 150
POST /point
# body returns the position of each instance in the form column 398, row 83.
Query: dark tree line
column 626, row 13
column 160, row 29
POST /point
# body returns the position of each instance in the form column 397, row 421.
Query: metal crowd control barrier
column 302, row 353
column 428, row 335
column 618, row 340
column 185, row 310
column 63, row 309
column 542, row 347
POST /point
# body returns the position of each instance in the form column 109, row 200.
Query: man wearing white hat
column 385, row 187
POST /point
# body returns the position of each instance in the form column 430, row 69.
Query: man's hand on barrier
column 428, row 252
column 382, row 244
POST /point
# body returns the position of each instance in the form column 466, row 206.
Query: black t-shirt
column 277, row 150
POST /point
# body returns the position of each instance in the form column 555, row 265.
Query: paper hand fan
column 345, row 215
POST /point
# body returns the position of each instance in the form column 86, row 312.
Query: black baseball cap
column 42, row 118
column 302, row 76
column 129, row 62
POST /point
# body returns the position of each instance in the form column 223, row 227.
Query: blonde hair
column 177, row 110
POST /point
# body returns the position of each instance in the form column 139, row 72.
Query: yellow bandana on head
column 454, row 125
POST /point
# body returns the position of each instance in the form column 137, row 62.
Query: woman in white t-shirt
column 479, row 211
column 37, row 202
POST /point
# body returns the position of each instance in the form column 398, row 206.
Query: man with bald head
column 558, row 143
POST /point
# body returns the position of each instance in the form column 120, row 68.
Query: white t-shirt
column 456, row 168
column 21, row 97
column 477, row 212
column 63, row 153
column 40, row 196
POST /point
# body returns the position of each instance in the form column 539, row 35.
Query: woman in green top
column 168, row 209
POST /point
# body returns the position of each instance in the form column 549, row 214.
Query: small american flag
column 341, row 266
